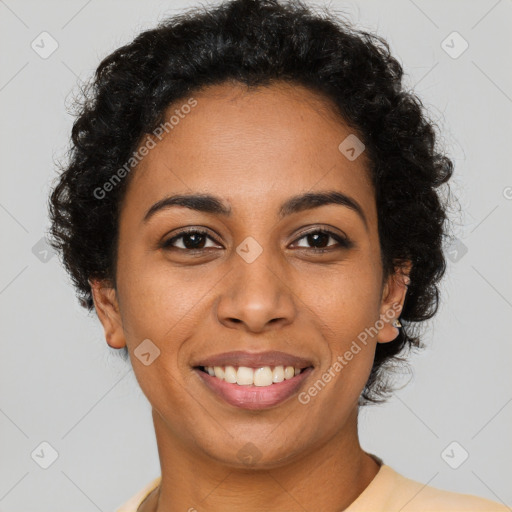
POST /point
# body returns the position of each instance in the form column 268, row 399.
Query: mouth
column 263, row 376
column 254, row 381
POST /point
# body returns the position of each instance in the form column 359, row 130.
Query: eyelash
column 342, row 241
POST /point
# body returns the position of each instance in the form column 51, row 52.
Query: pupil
column 313, row 238
column 199, row 240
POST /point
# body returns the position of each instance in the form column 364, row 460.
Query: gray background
column 59, row 381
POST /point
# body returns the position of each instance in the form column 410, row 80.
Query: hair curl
column 257, row 42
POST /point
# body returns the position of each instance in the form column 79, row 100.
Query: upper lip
column 255, row 359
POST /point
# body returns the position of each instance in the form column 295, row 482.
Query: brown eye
column 319, row 239
column 192, row 240
column 196, row 240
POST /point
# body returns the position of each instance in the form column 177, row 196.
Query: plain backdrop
column 61, row 385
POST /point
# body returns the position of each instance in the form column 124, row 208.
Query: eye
column 192, row 240
column 320, row 237
column 196, row 239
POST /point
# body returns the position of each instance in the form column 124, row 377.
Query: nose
column 256, row 296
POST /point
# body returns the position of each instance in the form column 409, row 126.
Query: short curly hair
column 259, row 42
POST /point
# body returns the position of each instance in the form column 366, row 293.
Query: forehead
column 252, row 146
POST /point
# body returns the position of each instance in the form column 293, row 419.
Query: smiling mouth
column 254, row 389
column 262, row 376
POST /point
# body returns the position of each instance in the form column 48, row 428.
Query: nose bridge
column 257, row 265
column 256, row 292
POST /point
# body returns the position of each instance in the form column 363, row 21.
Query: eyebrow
column 208, row 203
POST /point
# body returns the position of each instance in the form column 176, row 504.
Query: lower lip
column 254, row 397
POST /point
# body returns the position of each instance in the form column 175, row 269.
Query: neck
column 329, row 478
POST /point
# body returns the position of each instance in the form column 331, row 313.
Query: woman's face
column 256, row 282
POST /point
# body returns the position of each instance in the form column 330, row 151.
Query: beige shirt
column 389, row 491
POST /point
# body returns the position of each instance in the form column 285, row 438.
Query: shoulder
column 134, row 502
column 414, row 496
column 390, row 491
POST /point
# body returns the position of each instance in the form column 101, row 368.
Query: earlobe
column 107, row 308
column 393, row 298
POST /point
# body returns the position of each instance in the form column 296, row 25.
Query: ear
column 393, row 297
column 107, row 309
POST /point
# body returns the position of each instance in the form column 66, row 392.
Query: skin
column 254, row 149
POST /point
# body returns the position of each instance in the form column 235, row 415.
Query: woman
column 252, row 207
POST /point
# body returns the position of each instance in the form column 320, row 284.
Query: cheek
column 158, row 317
column 346, row 301
column 158, row 302
column 346, row 305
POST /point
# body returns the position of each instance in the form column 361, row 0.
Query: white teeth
column 278, row 374
column 289, row 372
column 263, row 376
column 245, row 376
column 219, row 372
column 230, row 374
